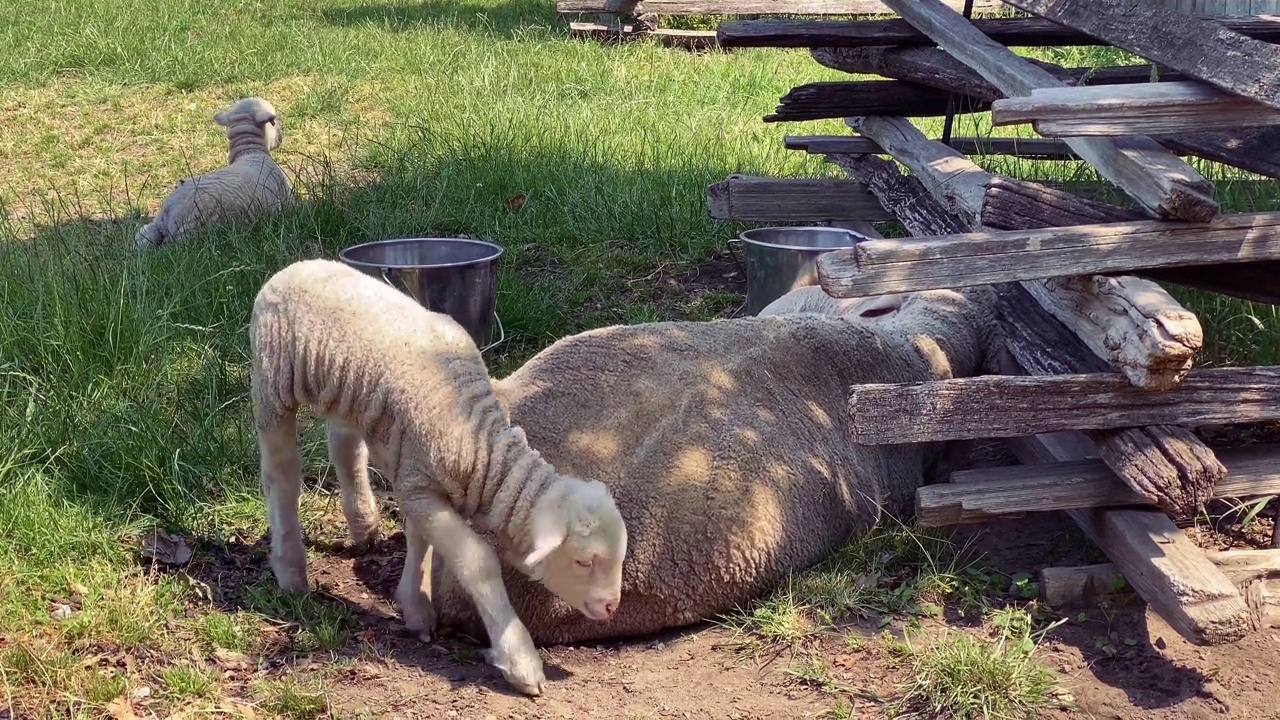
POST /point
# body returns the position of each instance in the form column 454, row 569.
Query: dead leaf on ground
column 245, row 709
column 165, row 548
column 516, row 202
column 845, row 662
column 120, row 709
column 232, row 660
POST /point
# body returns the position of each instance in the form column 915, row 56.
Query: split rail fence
column 1101, row 397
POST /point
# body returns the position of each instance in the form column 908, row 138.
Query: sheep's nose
column 609, row 609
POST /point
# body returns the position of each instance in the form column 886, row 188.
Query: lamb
column 724, row 445
column 250, row 184
column 408, row 389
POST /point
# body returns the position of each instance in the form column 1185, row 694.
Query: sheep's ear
column 262, row 118
column 220, row 118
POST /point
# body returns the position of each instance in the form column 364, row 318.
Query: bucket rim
column 746, row 236
column 345, row 253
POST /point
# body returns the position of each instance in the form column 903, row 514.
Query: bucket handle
column 502, row 335
column 502, row 332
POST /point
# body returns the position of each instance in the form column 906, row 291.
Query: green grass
column 963, row 677
column 123, row 377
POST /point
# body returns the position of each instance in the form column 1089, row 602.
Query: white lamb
column 250, row 184
column 411, row 384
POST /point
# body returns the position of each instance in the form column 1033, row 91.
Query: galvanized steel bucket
column 782, row 259
column 455, row 276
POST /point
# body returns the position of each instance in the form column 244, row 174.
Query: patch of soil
column 716, row 288
column 1119, row 660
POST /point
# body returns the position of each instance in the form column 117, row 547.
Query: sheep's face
column 579, row 541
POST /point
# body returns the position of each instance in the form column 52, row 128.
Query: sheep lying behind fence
column 724, row 444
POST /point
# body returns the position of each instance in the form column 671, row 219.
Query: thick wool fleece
column 725, row 446
column 412, row 381
column 250, row 184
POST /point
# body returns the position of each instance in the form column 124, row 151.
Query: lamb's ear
column 220, row 118
column 546, row 539
column 262, row 118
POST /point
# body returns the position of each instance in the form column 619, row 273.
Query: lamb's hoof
column 419, row 615
column 364, row 537
column 521, row 669
column 291, row 577
column 292, row 582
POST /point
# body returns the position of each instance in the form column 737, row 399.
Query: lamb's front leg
column 476, row 566
column 349, row 454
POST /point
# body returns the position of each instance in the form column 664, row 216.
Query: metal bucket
column 781, row 259
column 455, row 276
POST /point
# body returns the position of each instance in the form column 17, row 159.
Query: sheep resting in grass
column 250, row 184
column 725, row 446
column 408, row 389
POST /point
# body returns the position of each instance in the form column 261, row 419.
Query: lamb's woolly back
column 249, row 185
column 724, row 445
column 359, row 351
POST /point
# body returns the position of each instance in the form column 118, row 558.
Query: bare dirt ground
column 1123, row 662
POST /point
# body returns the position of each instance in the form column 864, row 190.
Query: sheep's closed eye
column 585, row 563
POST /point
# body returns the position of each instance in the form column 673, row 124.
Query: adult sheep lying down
column 724, row 445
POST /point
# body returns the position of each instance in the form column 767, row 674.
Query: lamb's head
column 575, row 546
column 256, row 112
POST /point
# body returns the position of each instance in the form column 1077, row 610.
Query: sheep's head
column 577, row 540
column 255, row 111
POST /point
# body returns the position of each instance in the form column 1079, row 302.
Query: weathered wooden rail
column 1101, row 397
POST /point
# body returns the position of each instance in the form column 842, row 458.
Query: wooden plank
column 1178, row 582
column 1063, row 588
column 746, row 198
column 826, row 100
column 1163, row 108
column 1157, row 559
column 1161, row 182
column 747, row 7
column 687, row 39
column 1166, row 464
column 933, row 67
column 1031, row 148
column 1202, row 48
column 1256, row 150
column 903, row 196
column 991, row 493
column 1001, row 406
column 1010, row 32
column 980, row 258
column 1068, row 588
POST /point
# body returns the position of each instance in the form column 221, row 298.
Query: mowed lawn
column 124, row 375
